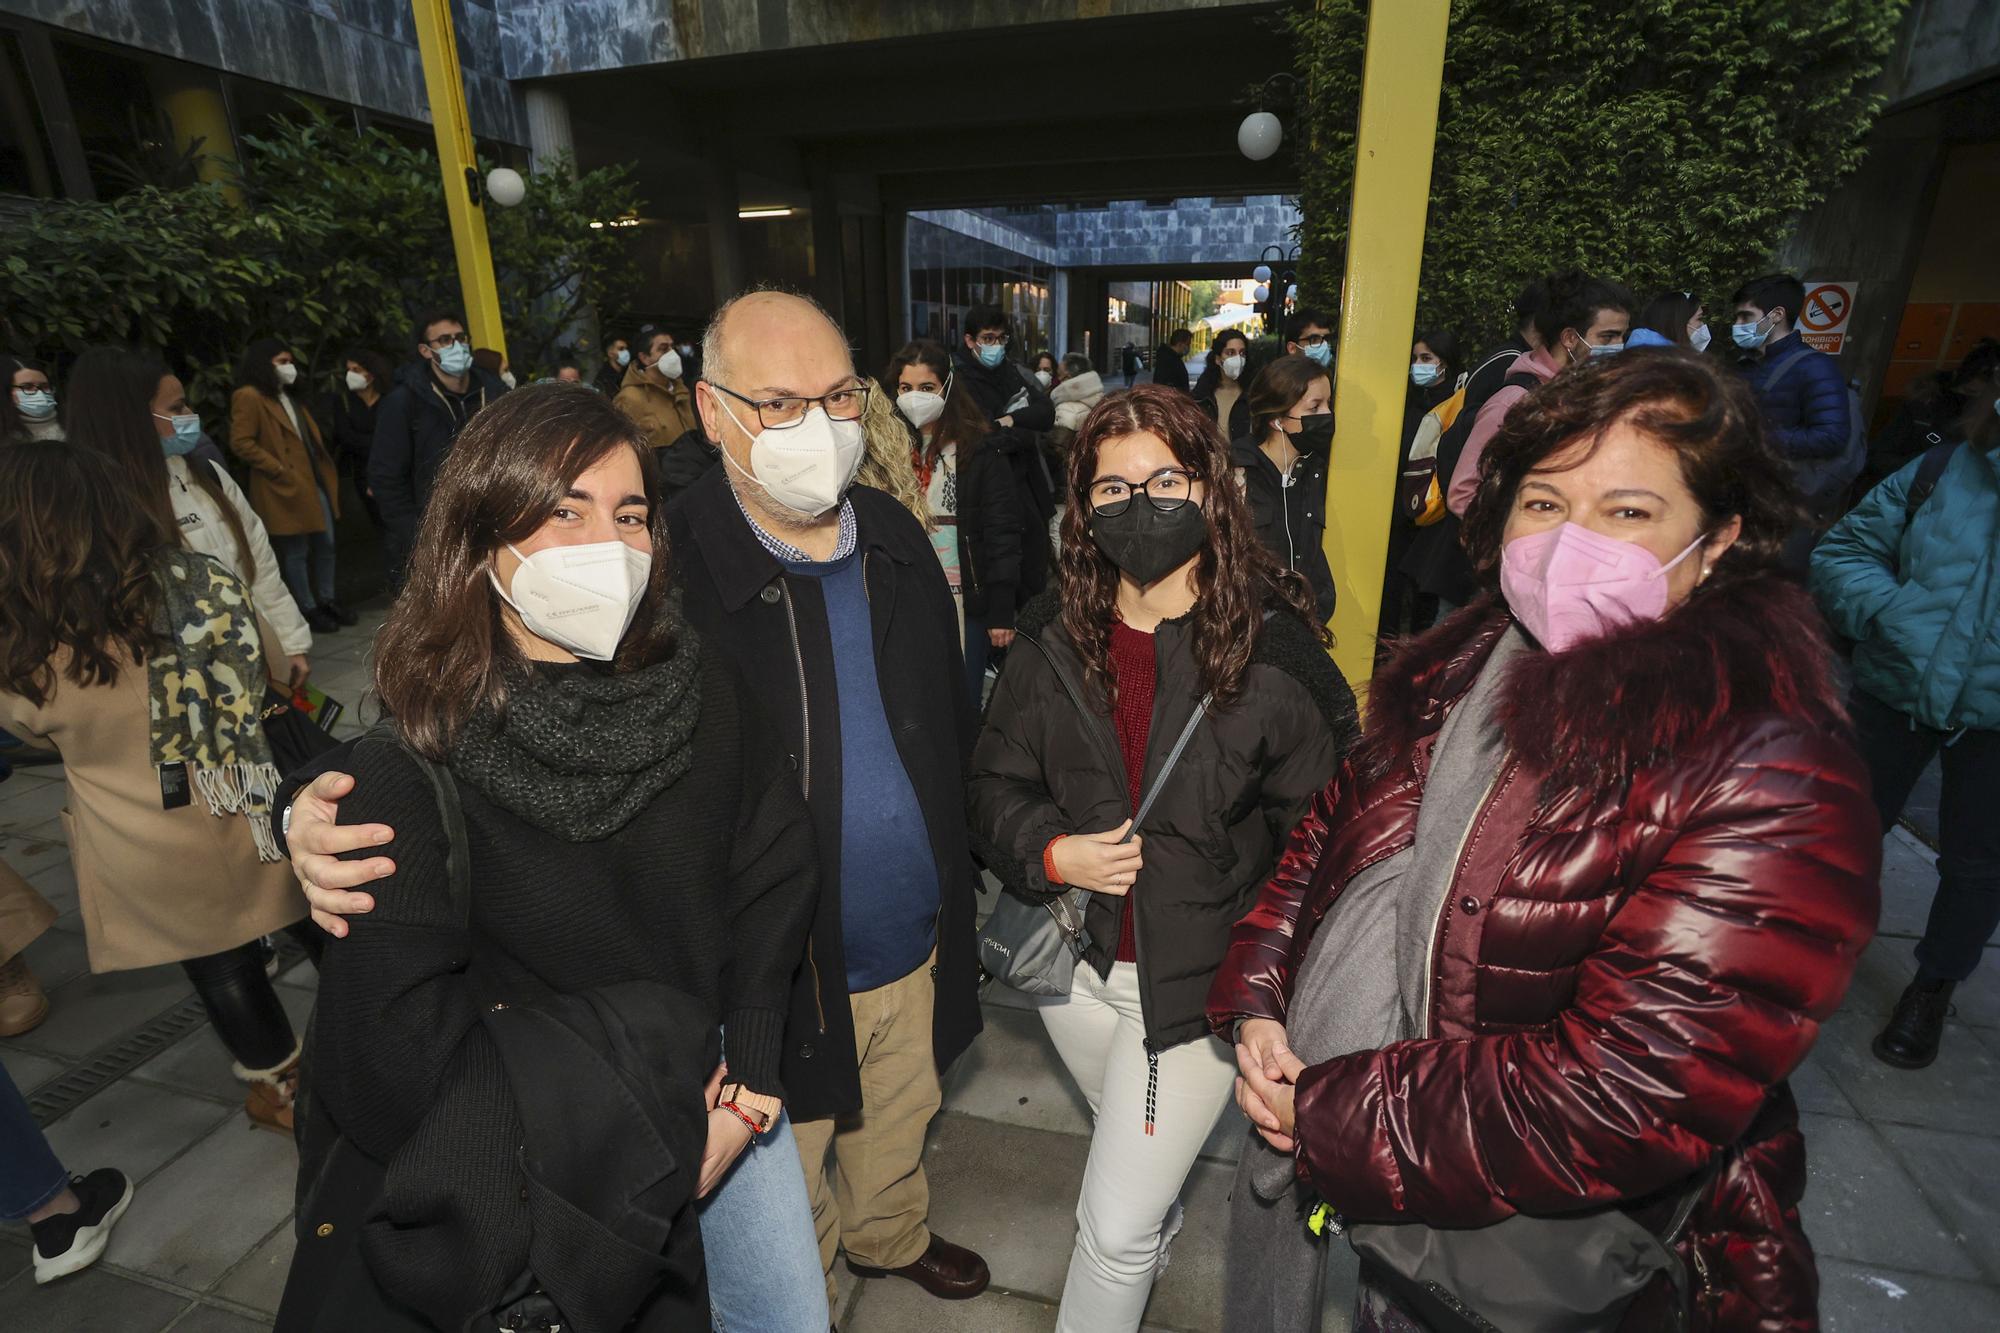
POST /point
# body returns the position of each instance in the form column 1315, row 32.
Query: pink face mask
column 1570, row 584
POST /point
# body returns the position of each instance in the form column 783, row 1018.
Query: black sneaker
column 340, row 613
column 70, row 1242
column 322, row 621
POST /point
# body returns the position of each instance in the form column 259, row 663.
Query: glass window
column 27, row 162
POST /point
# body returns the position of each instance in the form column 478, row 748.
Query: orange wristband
column 1049, row 859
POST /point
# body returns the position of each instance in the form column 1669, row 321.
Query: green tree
column 340, row 239
column 1664, row 143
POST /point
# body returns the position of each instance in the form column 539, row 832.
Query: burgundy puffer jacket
column 1662, row 899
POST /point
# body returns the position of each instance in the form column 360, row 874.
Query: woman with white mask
column 293, row 486
column 1219, row 391
column 977, row 518
column 644, row 872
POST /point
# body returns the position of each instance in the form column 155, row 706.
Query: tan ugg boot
column 272, row 1093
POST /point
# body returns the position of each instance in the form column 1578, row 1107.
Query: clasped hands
column 1267, row 1071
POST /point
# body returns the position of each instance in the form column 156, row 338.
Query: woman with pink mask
column 1516, row 1011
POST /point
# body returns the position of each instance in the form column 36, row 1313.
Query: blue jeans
column 296, row 550
column 757, row 1232
column 30, row 1175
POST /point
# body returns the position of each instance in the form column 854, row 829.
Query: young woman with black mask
column 1170, row 622
column 1281, row 465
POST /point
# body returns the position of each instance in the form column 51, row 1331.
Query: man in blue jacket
column 1803, row 395
column 417, row 421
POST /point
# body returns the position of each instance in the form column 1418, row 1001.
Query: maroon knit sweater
column 1132, row 667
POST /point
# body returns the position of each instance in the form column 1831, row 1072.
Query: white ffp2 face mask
column 920, row 407
column 807, row 467
column 288, row 373
column 581, row 598
column 1232, row 367
column 669, row 364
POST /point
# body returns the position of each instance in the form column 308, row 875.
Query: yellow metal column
column 445, row 85
column 192, row 101
column 1402, row 75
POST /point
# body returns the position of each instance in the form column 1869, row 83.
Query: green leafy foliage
column 340, row 239
column 1663, row 143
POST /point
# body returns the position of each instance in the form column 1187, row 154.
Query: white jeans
column 1133, row 1181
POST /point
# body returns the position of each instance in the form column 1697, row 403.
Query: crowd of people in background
column 718, row 671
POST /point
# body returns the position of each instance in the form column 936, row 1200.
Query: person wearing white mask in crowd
column 641, row 860
column 655, row 393
column 977, row 520
column 361, row 388
column 29, row 407
column 1219, row 391
column 1671, row 319
column 293, row 485
column 1047, row 372
column 825, row 599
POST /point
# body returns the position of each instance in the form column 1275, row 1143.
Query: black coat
column 1290, row 520
column 1239, row 414
column 1037, row 486
column 609, row 379
column 353, row 431
column 994, row 527
column 415, row 424
column 1043, row 768
column 771, row 627
column 682, row 462
column 992, row 389
column 1170, row 369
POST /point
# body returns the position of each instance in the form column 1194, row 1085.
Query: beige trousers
column 865, row 1172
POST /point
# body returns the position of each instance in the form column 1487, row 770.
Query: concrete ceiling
column 1080, row 111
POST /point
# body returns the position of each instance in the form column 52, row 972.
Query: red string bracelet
column 744, row 1116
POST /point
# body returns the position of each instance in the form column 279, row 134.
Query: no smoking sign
column 1824, row 314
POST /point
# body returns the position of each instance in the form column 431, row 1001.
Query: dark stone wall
column 359, row 51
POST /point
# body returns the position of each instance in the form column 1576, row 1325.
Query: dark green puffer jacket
column 1047, row 763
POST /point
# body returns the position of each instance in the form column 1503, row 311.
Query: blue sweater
column 1806, row 411
column 888, row 874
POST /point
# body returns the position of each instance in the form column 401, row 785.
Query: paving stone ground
column 1901, row 1206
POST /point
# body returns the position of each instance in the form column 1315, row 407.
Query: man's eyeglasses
column 1166, row 490
column 783, row 413
column 1313, row 340
column 444, row 340
column 990, row 339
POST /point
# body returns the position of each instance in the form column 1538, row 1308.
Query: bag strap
column 451, row 814
column 1786, row 366
column 1929, row 472
column 1173, row 757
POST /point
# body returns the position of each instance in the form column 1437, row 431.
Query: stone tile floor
column 1901, row 1206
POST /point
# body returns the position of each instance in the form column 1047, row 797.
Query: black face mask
column 1147, row 543
column 1314, row 435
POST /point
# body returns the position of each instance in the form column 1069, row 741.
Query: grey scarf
column 579, row 751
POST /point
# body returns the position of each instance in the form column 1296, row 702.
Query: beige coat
column 664, row 411
column 156, row 886
column 284, row 489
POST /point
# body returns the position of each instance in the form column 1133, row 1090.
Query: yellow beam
column 194, row 107
column 444, row 83
column 1402, row 75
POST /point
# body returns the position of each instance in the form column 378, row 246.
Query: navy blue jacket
column 415, row 424
column 1806, row 411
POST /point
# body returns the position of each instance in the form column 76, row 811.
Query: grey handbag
column 1034, row 947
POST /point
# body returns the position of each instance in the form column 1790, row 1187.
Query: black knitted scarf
column 578, row 752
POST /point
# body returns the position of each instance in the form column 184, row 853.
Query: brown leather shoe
column 23, row 1006
column 947, row 1271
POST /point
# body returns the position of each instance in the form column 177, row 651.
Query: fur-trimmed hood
column 1594, row 715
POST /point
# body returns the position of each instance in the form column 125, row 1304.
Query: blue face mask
column 36, row 404
column 624, row 357
column 1607, row 349
column 992, row 354
column 455, row 359
column 187, row 434
column 1423, row 374
column 1321, row 355
column 1750, row 336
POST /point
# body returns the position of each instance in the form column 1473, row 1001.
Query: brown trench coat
column 154, row 885
column 282, row 463
column 665, row 412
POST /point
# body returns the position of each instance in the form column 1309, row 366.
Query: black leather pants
column 243, row 1004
